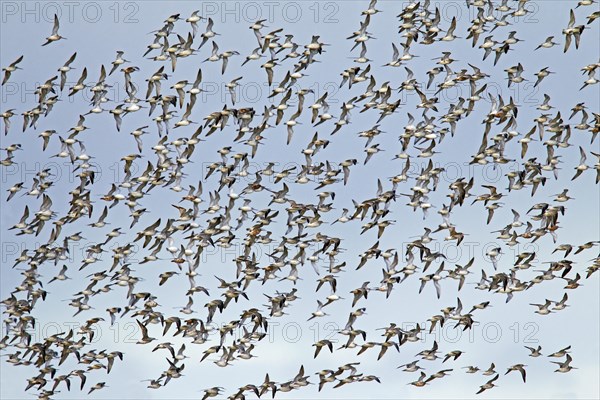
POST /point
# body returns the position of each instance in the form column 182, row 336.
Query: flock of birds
column 248, row 208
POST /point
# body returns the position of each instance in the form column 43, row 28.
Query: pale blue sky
column 97, row 30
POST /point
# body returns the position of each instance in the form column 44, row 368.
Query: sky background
column 97, row 29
